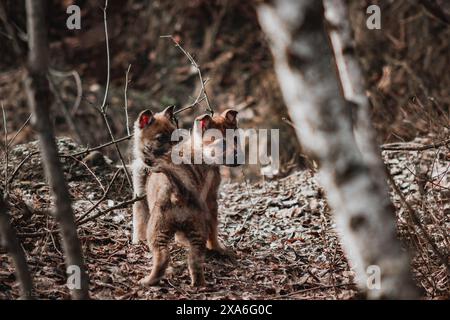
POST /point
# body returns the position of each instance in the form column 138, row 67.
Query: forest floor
column 281, row 231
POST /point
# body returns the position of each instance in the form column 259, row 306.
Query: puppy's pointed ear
column 230, row 115
column 168, row 113
column 204, row 122
column 145, row 118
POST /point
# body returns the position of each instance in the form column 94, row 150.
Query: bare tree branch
column 192, row 105
column 126, row 100
column 415, row 218
column 72, row 155
column 103, row 198
column 117, row 206
column 20, row 165
column 77, row 79
column 11, row 141
column 104, row 106
column 107, row 144
column 7, row 145
column 199, row 73
column 108, row 57
column 10, row 31
column 66, row 111
column 84, row 164
column 120, row 205
column 432, row 7
column 6, row 149
column 122, row 160
column 8, row 239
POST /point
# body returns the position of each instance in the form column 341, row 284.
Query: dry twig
column 411, row 147
column 6, row 150
column 103, row 198
column 434, row 9
column 416, row 220
column 76, row 76
column 117, row 206
column 7, row 146
column 9, row 240
column 199, row 73
column 19, row 131
column 107, row 144
column 126, row 100
column 104, row 107
column 10, row 32
column 66, row 111
column 121, row 205
column 84, row 164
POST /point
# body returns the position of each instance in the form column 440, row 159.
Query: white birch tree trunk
column 306, row 71
column 353, row 86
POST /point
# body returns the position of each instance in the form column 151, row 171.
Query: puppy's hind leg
column 196, row 258
column 213, row 242
column 214, row 245
column 161, row 256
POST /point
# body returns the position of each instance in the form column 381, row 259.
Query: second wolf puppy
column 182, row 200
column 227, row 120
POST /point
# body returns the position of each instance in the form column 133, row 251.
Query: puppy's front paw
column 198, row 283
column 222, row 253
column 149, row 281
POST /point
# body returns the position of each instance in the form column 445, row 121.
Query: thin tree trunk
column 305, row 69
column 8, row 240
column 38, row 95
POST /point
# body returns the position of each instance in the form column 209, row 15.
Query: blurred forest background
column 405, row 64
column 281, row 230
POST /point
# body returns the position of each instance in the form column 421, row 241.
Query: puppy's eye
column 161, row 138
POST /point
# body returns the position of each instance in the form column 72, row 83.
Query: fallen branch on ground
column 117, row 206
column 103, row 198
column 121, row 205
column 407, row 146
column 415, row 218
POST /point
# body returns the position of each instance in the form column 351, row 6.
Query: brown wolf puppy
column 146, row 137
column 182, row 199
column 221, row 122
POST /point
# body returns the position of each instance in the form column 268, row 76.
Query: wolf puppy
column 182, row 199
column 155, row 137
column 227, row 120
